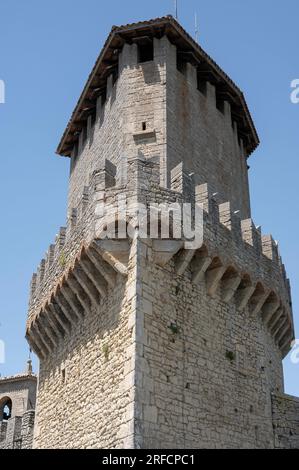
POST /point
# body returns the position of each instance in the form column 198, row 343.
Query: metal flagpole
column 196, row 28
column 176, row 8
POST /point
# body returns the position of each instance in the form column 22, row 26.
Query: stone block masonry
column 142, row 342
column 285, row 411
column 17, row 397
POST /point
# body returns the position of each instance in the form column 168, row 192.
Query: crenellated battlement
column 58, row 256
column 235, row 260
column 70, row 246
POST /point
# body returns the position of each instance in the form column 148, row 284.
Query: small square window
column 145, row 52
column 202, row 86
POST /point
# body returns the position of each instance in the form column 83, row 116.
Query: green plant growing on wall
column 174, row 328
column 230, row 355
column 105, row 350
column 62, row 259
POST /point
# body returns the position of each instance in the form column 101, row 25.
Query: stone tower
column 17, row 404
column 146, row 342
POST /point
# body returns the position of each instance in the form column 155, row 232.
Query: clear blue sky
column 47, row 49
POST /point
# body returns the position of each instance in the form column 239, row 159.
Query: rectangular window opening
column 220, row 103
column 93, row 119
column 84, row 136
column 76, row 151
column 75, row 155
column 145, row 52
column 104, row 96
column 115, row 75
column 234, row 124
column 181, row 63
column 202, row 86
column 92, row 127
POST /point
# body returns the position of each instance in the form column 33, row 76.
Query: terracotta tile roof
column 18, row 377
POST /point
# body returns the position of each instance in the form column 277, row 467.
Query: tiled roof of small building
column 18, row 377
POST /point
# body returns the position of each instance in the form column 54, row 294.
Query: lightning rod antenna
column 196, row 28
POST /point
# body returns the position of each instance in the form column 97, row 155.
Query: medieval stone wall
column 285, row 421
column 209, row 384
column 159, row 387
column 144, row 343
column 85, row 396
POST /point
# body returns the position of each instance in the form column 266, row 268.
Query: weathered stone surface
column 143, row 343
column 285, row 411
column 17, row 432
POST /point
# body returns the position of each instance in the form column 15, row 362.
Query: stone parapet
column 234, row 259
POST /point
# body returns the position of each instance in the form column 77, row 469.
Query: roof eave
column 116, row 31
